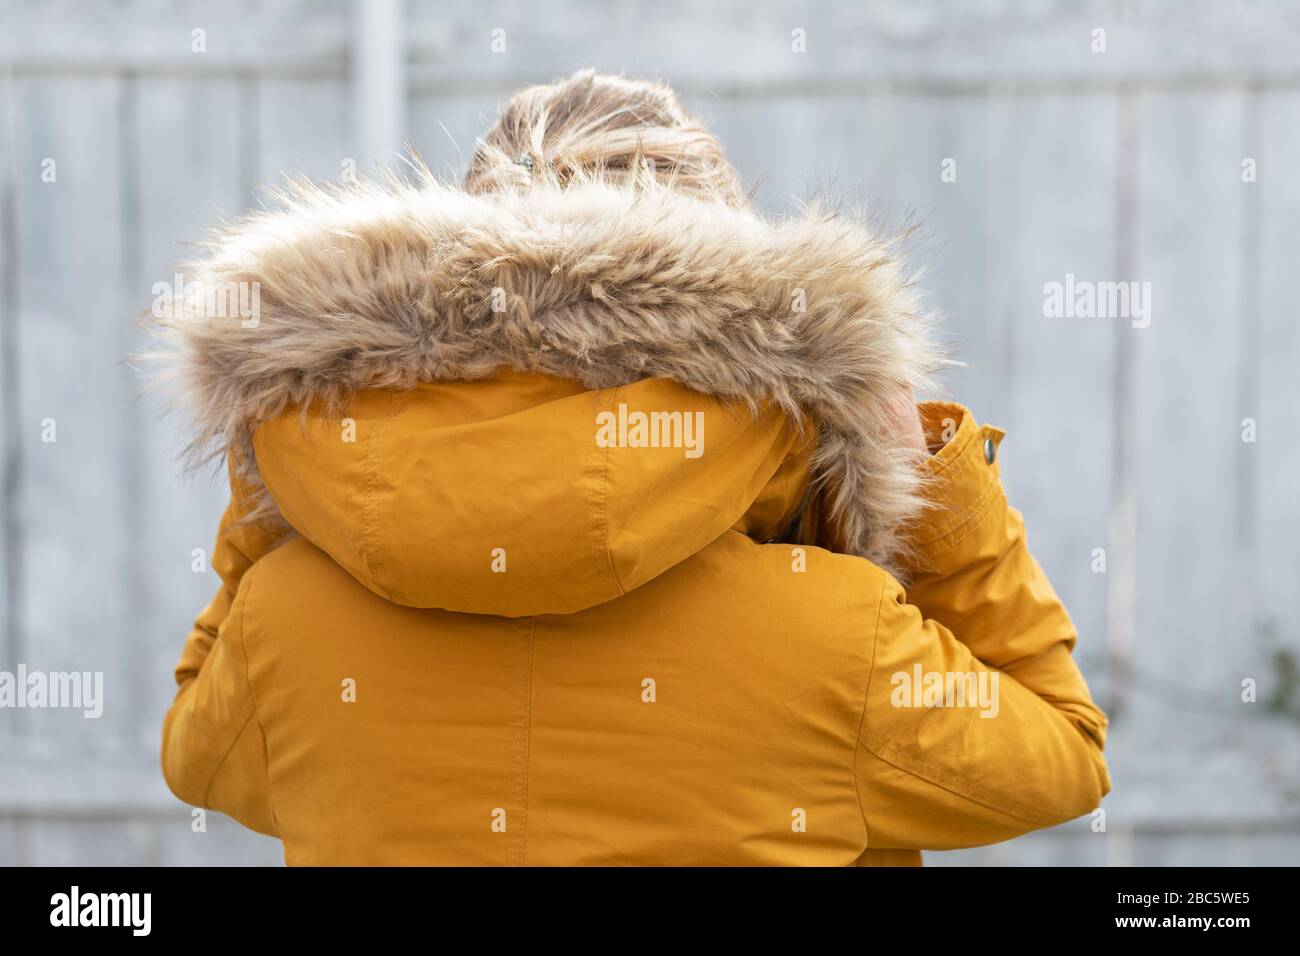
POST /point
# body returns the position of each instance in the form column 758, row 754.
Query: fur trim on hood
column 606, row 283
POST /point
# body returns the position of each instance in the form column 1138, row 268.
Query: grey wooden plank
column 77, row 538
column 303, row 129
column 63, row 782
column 821, row 148
column 1216, row 849
column 1073, row 846
column 9, row 855
column 92, row 842
column 1269, row 849
column 1190, row 635
column 223, row 843
column 444, row 130
column 159, row 39
column 1205, row 783
column 1277, row 450
column 914, row 146
column 726, row 46
column 745, row 47
column 11, row 448
column 1056, row 460
column 131, row 840
column 1002, row 285
column 1069, row 845
column 185, row 189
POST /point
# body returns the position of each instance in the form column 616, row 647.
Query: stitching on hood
column 597, row 492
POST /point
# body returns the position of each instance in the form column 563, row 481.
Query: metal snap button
column 990, row 450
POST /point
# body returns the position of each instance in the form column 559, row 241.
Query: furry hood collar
column 386, row 286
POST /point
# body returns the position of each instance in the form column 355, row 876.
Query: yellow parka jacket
column 566, row 529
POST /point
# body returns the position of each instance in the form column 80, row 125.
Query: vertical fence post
column 378, row 82
column 11, row 524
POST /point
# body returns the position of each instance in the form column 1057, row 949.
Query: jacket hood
column 487, row 403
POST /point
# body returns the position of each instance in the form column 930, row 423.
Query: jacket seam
column 599, row 506
column 252, row 712
column 252, row 695
column 528, row 741
column 949, row 780
column 888, row 741
column 862, row 720
column 234, row 741
column 367, row 504
column 369, row 521
column 517, row 839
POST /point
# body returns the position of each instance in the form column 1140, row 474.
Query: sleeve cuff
column 963, row 486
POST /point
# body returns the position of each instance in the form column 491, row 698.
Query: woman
column 582, row 516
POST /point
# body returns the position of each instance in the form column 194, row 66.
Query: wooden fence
column 1026, row 154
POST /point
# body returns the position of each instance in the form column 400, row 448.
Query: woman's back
column 567, row 527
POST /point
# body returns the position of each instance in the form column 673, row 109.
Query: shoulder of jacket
column 822, row 580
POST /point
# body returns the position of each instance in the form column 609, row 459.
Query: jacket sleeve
column 978, row 725
column 213, row 751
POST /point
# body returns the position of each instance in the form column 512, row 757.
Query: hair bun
column 601, row 125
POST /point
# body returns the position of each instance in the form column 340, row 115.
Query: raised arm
column 1009, row 739
column 213, row 754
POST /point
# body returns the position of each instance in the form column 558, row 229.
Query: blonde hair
column 593, row 124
